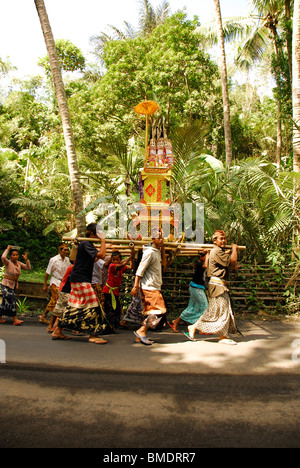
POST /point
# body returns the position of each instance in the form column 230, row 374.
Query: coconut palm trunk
column 223, row 71
column 64, row 114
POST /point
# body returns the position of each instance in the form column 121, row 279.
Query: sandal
column 227, row 341
column 64, row 337
column 173, row 327
column 191, row 338
column 18, row 322
column 97, row 341
column 144, row 339
column 43, row 320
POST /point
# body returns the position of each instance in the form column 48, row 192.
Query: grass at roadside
column 36, row 276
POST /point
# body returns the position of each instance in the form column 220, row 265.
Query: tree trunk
column 289, row 38
column 64, row 114
column 223, row 70
column 278, row 53
column 279, row 136
column 296, row 113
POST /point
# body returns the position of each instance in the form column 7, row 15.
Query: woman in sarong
column 83, row 313
column 198, row 301
column 218, row 318
column 9, row 283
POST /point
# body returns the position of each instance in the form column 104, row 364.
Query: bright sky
column 21, row 37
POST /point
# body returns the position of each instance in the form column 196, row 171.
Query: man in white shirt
column 149, row 279
column 55, row 270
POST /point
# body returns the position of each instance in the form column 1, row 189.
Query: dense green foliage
column 168, row 62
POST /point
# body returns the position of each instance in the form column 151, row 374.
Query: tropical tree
column 223, row 71
column 70, row 57
column 264, row 37
column 149, row 18
column 5, row 66
column 64, row 113
column 296, row 85
column 296, row 111
column 271, row 27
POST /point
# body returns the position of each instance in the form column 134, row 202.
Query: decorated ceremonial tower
column 155, row 177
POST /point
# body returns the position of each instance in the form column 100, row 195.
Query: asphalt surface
column 175, row 394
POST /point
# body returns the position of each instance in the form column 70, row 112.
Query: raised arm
column 26, row 265
column 102, row 251
column 4, row 255
column 127, row 260
column 234, row 255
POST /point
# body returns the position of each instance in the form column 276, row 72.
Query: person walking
column 83, row 313
column 218, row 317
column 198, row 301
column 9, row 283
column 63, row 295
column 56, row 269
column 148, row 279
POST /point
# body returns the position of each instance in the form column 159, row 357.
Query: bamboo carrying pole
column 126, row 245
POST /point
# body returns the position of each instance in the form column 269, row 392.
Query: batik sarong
column 62, row 302
column 134, row 313
column 53, row 298
column 83, row 312
column 218, row 317
column 99, row 293
column 197, row 305
column 9, row 302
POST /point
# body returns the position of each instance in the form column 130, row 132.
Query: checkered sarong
column 82, row 296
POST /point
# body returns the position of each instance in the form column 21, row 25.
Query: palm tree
column 188, row 143
column 223, row 70
column 65, row 115
column 122, row 155
column 151, row 18
column 262, row 29
column 271, row 16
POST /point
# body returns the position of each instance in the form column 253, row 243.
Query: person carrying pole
column 149, row 279
column 218, row 317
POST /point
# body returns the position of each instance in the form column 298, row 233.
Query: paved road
column 174, row 394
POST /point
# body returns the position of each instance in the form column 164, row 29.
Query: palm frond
column 5, row 225
column 33, row 203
